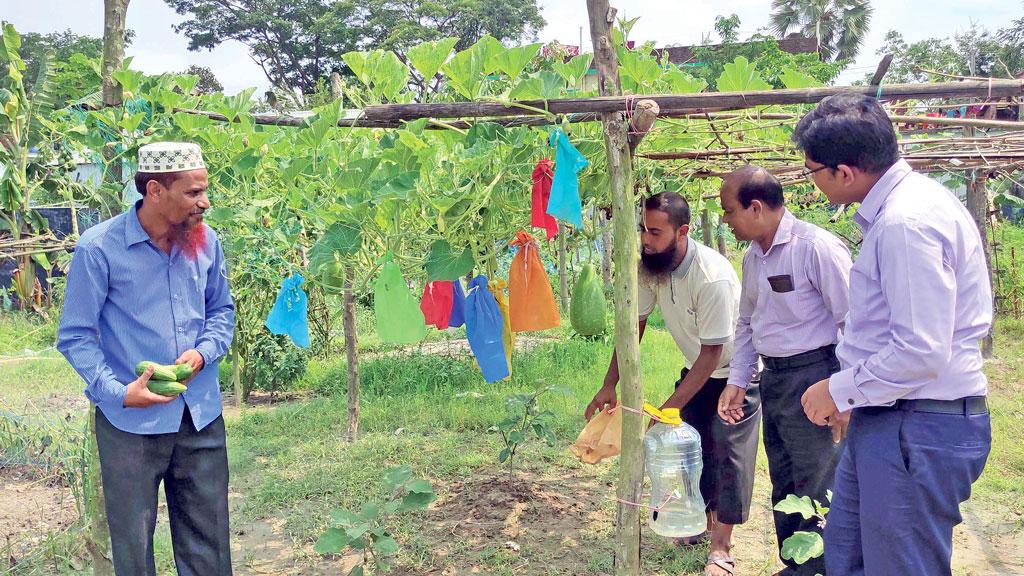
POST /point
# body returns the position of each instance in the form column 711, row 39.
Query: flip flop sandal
column 721, row 560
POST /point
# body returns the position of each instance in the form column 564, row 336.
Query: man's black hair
column 849, row 129
column 756, row 183
column 671, row 203
column 164, row 178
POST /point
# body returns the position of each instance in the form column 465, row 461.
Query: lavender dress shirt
column 795, row 296
column 920, row 298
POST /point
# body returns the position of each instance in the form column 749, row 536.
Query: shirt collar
column 783, row 234
column 880, row 192
column 684, row 266
column 134, row 233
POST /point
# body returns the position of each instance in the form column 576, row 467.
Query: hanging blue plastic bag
column 564, row 203
column 458, row 317
column 484, row 330
column 288, row 316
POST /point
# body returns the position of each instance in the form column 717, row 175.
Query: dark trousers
column 898, row 490
column 729, row 450
column 193, row 466
column 802, row 457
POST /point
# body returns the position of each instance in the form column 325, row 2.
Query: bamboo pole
column 627, row 332
column 563, row 273
column 695, row 101
column 351, row 352
column 978, row 206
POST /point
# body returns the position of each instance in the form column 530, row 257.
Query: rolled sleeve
column 78, row 336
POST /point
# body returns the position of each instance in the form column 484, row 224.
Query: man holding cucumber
column 148, row 289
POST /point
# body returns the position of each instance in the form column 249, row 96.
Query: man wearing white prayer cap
column 151, row 285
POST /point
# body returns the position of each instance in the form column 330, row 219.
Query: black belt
column 808, row 358
column 967, row 406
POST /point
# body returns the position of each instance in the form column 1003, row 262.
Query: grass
column 290, row 464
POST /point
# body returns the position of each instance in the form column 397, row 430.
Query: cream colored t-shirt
column 700, row 301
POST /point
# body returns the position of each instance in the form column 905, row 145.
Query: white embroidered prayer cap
column 170, row 157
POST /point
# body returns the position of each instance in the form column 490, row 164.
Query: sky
column 158, row 48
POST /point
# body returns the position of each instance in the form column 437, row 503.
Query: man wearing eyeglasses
column 920, row 302
column 792, row 307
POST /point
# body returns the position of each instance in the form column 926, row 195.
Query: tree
column 396, row 25
column 976, row 52
column 1013, row 43
column 298, row 42
column 839, row 25
column 728, row 28
column 208, row 83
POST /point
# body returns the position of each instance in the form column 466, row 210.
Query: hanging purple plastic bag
column 458, row 317
column 288, row 316
column 484, row 330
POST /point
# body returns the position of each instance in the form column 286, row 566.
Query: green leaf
column 794, row 504
column 416, row 501
column 741, row 75
column 1004, row 199
column 396, row 477
column 490, row 48
column 443, row 264
column 370, row 511
column 680, row 82
column 398, row 186
column 795, row 79
column 386, row 546
column 357, row 531
column 419, row 486
column 486, row 131
column 357, row 570
column 331, row 542
column 505, row 453
column 643, row 69
column 343, row 517
column 356, row 173
column 130, row 80
column 42, row 260
column 516, row 437
column 341, row 239
column 12, row 45
column 392, row 506
column 574, row 70
column 465, row 72
column 512, row 61
column 428, row 57
column 802, row 546
column 530, row 89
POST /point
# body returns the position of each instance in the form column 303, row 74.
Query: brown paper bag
column 601, row 438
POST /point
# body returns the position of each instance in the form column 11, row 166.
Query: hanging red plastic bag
column 497, row 288
column 539, row 217
column 484, row 330
column 436, row 304
column 531, row 300
column 399, row 319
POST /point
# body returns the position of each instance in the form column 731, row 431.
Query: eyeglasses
column 807, row 172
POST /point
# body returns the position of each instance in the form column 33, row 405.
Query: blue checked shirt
column 128, row 301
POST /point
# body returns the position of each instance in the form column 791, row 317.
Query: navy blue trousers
column 898, row 490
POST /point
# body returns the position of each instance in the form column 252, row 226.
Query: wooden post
column 606, row 253
column 351, row 352
column 705, row 227
column 236, row 375
column 348, row 318
column 627, row 333
column 563, row 272
column 98, row 539
column 98, row 542
column 979, row 206
column 723, row 249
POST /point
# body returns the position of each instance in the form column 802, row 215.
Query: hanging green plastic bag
column 587, row 308
column 399, row 318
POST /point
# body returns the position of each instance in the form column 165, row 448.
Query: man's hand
column 818, row 404
column 730, row 404
column 194, row 359
column 604, row 397
column 839, row 423
column 139, row 396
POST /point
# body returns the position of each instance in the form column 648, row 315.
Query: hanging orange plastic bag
column 497, row 289
column 531, row 301
column 601, row 438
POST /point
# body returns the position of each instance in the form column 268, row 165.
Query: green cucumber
column 164, row 388
column 170, row 373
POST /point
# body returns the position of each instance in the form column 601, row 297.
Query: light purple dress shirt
column 802, row 313
column 920, row 299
